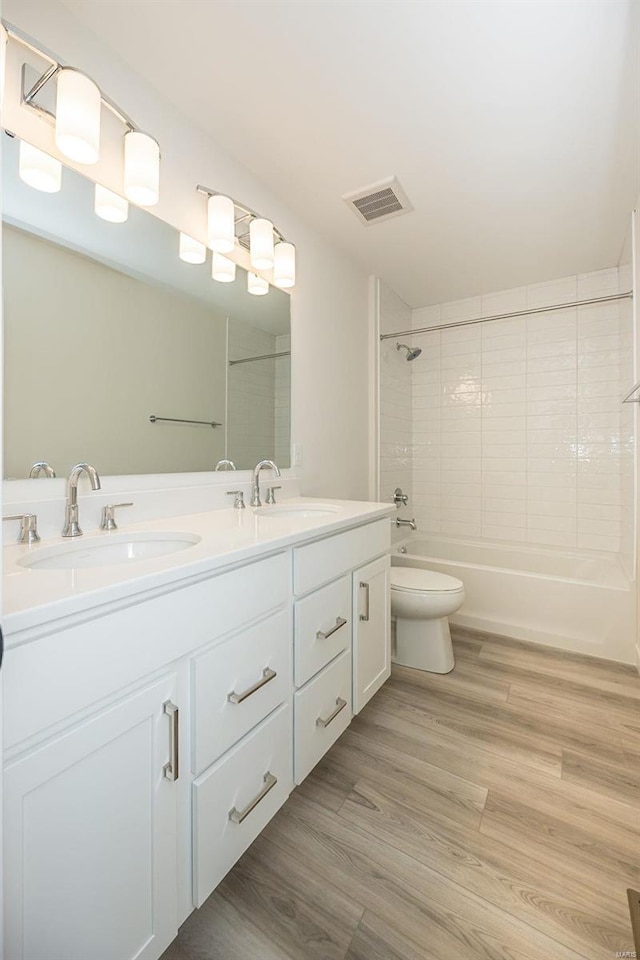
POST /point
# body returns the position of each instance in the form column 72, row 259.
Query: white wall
column 518, row 434
column 329, row 313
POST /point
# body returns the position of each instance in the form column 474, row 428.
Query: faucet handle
column 238, row 502
column 28, row 527
column 108, row 520
column 271, row 494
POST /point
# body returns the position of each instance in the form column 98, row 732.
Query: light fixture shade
column 38, row 169
column 221, row 223
column 78, row 108
column 261, row 243
column 222, row 269
column 110, row 206
column 192, row 251
column 256, row 285
column 284, row 265
column 141, row 168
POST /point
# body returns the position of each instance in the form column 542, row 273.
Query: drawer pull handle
column 171, row 770
column 365, row 586
column 325, row 721
column 340, row 622
column 267, row 675
column 237, row 816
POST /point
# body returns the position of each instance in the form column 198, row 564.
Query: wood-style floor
column 491, row 814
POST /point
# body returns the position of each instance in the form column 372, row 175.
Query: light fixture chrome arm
column 255, row 489
column 71, row 525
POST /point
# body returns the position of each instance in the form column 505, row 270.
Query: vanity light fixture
column 77, row 116
column 284, row 265
column 38, row 169
column 231, row 223
column 192, row 251
column 222, row 269
column 261, row 243
column 257, row 285
column 78, row 109
column 221, row 223
column 109, row 205
column 141, row 168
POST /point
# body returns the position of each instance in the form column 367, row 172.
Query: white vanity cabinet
column 90, row 843
column 371, row 630
column 122, row 812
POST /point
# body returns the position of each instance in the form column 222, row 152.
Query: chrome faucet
column 255, row 489
column 225, row 465
column 41, row 467
column 71, row 526
column 406, row 523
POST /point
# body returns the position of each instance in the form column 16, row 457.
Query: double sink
column 131, row 547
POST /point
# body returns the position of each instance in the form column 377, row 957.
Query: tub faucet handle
column 399, row 498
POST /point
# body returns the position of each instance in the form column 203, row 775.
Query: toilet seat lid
column 419, row 580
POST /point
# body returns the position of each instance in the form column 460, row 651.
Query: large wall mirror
column 105, row 328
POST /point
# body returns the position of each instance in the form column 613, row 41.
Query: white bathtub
column 579, row 602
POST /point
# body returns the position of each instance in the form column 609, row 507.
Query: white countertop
column 32, row 598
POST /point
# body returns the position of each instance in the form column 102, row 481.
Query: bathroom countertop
column 33, row 598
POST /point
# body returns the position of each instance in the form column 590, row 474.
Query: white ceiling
column 511, row 124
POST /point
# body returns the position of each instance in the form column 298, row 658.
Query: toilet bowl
column 421, row 602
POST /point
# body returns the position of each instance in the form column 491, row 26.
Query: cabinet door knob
column 171, row 770
column 365, row 586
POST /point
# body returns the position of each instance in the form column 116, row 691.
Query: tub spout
column 406, row 523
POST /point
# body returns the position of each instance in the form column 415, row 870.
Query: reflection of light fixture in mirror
column 141, row 168
column 261, row 244
column 284, row 265
column 222, row 269
column 110, row 206
column 78, row 106
column 38, row 169
column 192, row 251
column 256, row 285
column 221, row 223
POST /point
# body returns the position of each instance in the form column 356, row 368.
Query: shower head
column 411, row 353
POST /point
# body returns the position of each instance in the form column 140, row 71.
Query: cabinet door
column 371, row 630
column 90, row 828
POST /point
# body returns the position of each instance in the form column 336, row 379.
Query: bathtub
column 579, row 602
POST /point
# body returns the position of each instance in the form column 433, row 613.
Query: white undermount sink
column 103, row 551
column 305, row 511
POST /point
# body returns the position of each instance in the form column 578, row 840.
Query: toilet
column 421, row 602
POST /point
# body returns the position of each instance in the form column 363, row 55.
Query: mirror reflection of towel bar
column 205, row 423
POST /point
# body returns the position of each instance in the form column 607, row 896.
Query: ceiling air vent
column 380, row 201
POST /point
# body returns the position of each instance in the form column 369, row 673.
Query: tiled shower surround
column 513, row 430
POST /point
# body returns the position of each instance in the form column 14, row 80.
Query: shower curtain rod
column 506, row 316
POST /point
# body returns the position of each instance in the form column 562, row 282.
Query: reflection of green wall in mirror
column 91, row 353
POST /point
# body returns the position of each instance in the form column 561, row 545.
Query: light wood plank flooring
column 490, row 814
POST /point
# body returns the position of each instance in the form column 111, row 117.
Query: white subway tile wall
column 396, row 426
column 518, row 430
column 251, row 395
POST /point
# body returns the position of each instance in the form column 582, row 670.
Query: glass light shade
column 78, row 108
column 221, row 214
column 261, row 244
column 284, row 265
column 141, row 168
column 110, row 206
column 256, row 285
column 222, row 269
column 192, row 251
column 38, row 169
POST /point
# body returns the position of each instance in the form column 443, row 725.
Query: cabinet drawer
column 237, row 683
column 235, row 799
column 314, row 706
column 322, row 628
column 322, row 561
